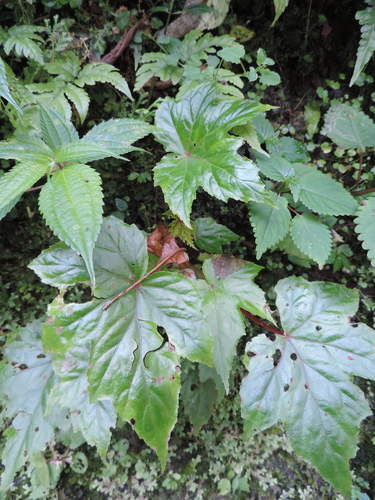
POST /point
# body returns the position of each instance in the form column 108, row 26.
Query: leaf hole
column 193, row 387
column 40, row 356
column 354, row 325
column 250, row 354
column 293, row 356
column 271, row 337
column 307, row 385
column 132, row 421
column 286, row 387
column 287, row 304
column 318, row 328
column 36, row 429
column 276, row 357
column 171, row 378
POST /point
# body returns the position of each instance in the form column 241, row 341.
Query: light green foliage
column 130, row 363
column 270, row 223
column 94, row 420
column 349, row 127
column 366, row 19
column 194, row 131
column 4, row 89
column 26, row 377
column 280, row 6
column 366, row 227
column 211, row 236
column 71, row 199
column 121, row 353
column 69, row 82
column 182, row 62
column 22, row 39
column 303, row 376
column 229, row 287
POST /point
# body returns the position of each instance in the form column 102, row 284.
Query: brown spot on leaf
column 59, row 329
column 171, row 378
column 160, row 379
column 49, row 321
column 171, row 347
column 225, row 265
column 307, row 385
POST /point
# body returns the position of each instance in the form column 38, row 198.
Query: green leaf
column 71, row 203
column 26, row 148
column 94, row 420
column 270, row 224
column 15, row 182
column 275, row 167
column 198, row 9
column 60, row 266
column 198, row 398
column 280, row 6
column 268, row 77
column 195, row 130
column 366, row 227
column 366, row 46
column 289, row 148
column 4, row 89
column 312, row 116
column 302, row 377
column 26, row 377
column 21, row 39
column 79, row 98
column 229, row 286
column 311, row 237
column 324, row 195
column 249, row 133
column 117, row 135
column 66, row 64
column 349, row 127
column 210, row 236
column 83, row 151
column 56, row 130
column 232, row 54
column 130, row 362
column 105, row 73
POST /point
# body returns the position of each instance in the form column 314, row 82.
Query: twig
column 119, row 48
column 360, row 168
column 34, row 188
column 158, row 265
column 363, row 191
column 261, row 323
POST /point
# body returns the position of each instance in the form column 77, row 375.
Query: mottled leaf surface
column 94, row 420
column 303, row 377
column 132, row 362
column 26, row 377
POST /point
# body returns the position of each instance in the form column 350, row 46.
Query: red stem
column 360, row 167
column 261, row 323
column 158, row 265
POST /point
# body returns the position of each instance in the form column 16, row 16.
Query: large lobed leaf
column 131, row 363
column 303, row 376
column 195, row 130
column 366, row 227
column 94, row 420
column 26, row 378
column 230, row 286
